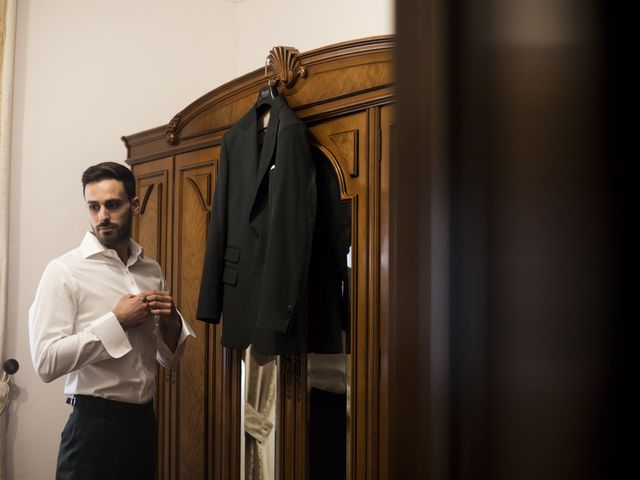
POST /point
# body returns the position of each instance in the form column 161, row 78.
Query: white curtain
column 259, row 415
column 7, row 49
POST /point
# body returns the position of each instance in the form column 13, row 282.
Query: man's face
column 110, row 211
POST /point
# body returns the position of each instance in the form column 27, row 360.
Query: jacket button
column 290, row 308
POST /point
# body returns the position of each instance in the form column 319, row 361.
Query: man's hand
column 131, row 311
column 161, row 303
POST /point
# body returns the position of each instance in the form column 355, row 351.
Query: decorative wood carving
column 285, row 65
column 347, row 144
column 198, row 193
column 171, row 134
column 145, row 198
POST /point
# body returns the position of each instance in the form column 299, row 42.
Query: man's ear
column 135, row 205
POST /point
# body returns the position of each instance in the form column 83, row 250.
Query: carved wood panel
column 151, row 226
column 192, row 395
column 154, row 182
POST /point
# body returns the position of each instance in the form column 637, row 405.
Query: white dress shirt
column 73, row 330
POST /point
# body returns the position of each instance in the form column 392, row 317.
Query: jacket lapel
column 268, row 145
column 248, row 134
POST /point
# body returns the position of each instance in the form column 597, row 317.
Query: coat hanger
column 267, row 94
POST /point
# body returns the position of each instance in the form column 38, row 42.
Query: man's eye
column 94, row 208
column 112, row 205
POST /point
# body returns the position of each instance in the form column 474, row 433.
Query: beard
column 116, row 233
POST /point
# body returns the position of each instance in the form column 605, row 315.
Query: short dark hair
column 110, row 170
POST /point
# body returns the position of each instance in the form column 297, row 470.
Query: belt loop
column 71, row 400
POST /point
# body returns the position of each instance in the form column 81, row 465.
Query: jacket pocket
column 232, row 254
column 230, row 276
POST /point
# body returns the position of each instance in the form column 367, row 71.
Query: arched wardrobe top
column 338, row 79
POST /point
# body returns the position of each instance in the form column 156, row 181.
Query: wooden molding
column 365, row 65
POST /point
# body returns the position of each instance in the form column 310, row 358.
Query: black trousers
column 327, row 435
column 106, row 439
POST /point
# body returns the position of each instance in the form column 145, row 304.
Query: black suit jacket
column 329, row 282
column 260, row 234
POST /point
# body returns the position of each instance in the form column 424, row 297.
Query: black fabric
column 328, row 283
column 108, row 440
column 260, row 234
column 327, row 435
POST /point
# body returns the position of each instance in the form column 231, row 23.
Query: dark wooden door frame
column 507, row 207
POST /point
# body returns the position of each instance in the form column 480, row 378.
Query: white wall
column 305, row 25
column 88, row 72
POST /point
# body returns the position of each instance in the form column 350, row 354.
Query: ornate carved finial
column 285, row 65
column 170, row 134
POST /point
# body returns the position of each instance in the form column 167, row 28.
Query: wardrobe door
column 351, row 151
column 151, row 230
column 193, row 442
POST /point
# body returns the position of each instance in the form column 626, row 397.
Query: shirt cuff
column 111, row 334
column 165, row 356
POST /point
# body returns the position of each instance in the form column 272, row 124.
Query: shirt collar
column 91, row 246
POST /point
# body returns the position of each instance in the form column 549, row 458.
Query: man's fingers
column 154, row 292
column 160, row 306
column 159, row 297
column 156, row 302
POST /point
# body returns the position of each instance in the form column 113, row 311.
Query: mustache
column 106, row 225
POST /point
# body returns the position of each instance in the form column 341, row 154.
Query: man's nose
column 103, row 214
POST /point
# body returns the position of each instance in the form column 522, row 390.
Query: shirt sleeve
column 164, row 355
column 56, row 348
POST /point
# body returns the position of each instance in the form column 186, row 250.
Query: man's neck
column 123, row 253
column 122, row 249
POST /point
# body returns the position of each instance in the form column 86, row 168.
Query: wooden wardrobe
column 344, row 93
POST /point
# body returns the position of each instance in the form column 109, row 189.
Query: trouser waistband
column 103, row 407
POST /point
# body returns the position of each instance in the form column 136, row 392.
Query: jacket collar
column 250, row 120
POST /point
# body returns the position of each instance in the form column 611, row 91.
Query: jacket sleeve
column 292, row 208
column 211, row 287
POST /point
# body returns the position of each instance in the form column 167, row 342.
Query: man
column 102, row 316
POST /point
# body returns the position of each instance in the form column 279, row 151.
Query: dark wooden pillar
column 506, row 239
